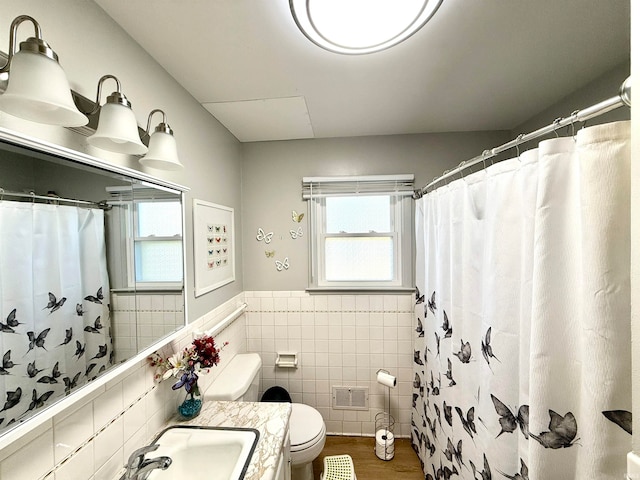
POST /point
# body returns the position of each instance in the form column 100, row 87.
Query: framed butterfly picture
column 213, row 246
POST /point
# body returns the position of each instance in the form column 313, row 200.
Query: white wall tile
column 107, row 406
column 78, row 467
column 107, row 443
column 72, row 431
column 31, row 461
column 110, row 468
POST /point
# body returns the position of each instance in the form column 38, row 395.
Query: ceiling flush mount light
column 163, row 152
column 37, row 89
column 360, row 26
column 117, row 127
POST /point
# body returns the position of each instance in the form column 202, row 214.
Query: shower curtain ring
column 1, row 194
column 460, row 167
column 33, row 197
column 556, row 124
column 574, row 117
column 518, row 140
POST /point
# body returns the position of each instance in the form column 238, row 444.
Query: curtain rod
column 52, row 198
column 623, row 98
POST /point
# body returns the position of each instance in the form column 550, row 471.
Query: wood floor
column 404, row 465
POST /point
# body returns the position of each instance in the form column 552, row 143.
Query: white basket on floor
column 338, row 467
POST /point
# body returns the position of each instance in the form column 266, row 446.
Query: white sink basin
column 212, row 453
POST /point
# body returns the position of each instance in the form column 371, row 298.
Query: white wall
column 90, row 45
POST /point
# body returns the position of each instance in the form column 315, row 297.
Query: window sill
column 169, row 290
column 359, row 290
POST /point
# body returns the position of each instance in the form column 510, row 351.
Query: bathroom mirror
column 91, row 271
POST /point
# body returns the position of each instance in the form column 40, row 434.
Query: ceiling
column 476, row 65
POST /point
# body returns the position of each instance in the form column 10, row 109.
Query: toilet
column 239, row 381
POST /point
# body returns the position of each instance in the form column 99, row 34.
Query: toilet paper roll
column 386, row 379
column 385, row 448
column 384, row 437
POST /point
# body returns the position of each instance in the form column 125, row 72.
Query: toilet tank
column 239, row 381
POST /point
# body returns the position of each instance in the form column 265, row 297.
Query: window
column 157, row 242
column 360, row 232
column 144, row 235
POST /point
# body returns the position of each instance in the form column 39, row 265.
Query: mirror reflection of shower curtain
column 522, row 357
column 54, row 304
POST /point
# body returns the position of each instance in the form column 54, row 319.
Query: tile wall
column 93, row 439
column 341, row 340
column 139, row 319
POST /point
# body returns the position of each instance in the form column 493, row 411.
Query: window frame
column 133, row 239
column 401, row 232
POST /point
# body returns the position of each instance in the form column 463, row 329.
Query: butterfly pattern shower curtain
column 522, row 352
column 54, row 304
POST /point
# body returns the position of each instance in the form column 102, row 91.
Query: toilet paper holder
column 287, row 360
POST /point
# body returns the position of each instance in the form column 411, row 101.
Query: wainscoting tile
column 31, row 461
column 80, row 466
column 72, row 431
column 107, row 406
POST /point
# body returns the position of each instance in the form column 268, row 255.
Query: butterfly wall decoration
column 296, row 217
column 269, row 253
column 296, row 233
column 282, row 265
column 262, row 236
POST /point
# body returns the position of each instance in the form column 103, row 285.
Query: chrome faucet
column 139, row 468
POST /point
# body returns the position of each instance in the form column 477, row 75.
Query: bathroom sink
column 198, row 452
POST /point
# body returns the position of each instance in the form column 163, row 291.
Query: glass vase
column 192, row 404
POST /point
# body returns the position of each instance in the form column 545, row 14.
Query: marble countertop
column 270, row 419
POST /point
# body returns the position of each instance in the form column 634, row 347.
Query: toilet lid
column 305, row 427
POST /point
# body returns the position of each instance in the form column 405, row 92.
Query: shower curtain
column 54, row 304
column 522, row 358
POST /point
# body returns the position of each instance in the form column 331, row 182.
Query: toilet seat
column 306, row 427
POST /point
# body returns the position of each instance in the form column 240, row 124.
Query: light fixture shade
column 38, row 90
column 117, row 130
column 356, row 27
column 163, row 152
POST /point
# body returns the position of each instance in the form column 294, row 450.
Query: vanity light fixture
column 163, row 152
column 360, row 26
column 37, row 88
column 117, row 126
